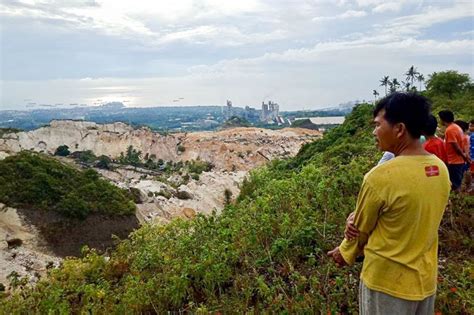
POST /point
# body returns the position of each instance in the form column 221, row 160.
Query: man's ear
column 400, row 130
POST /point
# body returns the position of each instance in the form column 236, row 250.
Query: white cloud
column 388, row 6
column 342, row 16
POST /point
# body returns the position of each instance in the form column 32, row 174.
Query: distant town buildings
column 228, row 110
column 269, row 112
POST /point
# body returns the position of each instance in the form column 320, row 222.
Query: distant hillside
column 235, row 122
column 34, row 181
column 170, row 118
column 304, row 123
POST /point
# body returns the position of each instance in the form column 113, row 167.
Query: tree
column 385, row 82
column 62, row 150
column 394, row 84
column 375, row 93
column 411, row 74
column 447, row 83
column 420, row 78
column 407, row 85
column 104, row 162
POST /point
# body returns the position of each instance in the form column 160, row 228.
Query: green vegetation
column 446, row 89
column 4, row 131
column 265, row 253
column 304, row 123
column 198, row 166
column 457, row 96
column 86, row 157
column 131, row 157
column 62, row 150
column 29, row 180
column 236, row 121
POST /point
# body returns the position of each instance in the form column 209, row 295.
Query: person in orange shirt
column 433, row 144
column 453, row 139
column 465, row 147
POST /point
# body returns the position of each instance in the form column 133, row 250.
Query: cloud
column 388, row 6
column 411, row 25
column 299, row 52
column 342, row 16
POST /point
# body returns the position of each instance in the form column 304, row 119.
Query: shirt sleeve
column 450, row 136
column 386, row 157
column 368, row 210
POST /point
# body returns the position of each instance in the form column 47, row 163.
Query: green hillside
column 265, row 253
column 35, row 181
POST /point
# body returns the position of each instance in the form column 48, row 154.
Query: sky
column 301, row 54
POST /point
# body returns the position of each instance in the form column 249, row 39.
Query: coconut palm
column 412, row 74
column 420, row 78
column 385, row 82
column 375, row 93
column 406, row 85
column 394, row 84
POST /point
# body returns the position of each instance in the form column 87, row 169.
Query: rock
column 189, row 213
column 184, row 195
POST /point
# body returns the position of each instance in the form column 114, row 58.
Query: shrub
column 104, row 162
column 62, row 150
column 31, row 180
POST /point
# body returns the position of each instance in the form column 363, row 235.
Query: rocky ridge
column 231, row 149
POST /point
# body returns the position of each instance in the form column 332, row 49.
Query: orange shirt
column 466, row 144
column 454, row 134
column 436, row 146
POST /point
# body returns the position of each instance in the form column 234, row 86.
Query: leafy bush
column 198, row 166
column 35, row 181
column 87, row 156
column 62, row 150
column 104, row 162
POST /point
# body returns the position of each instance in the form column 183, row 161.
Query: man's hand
column 336, row 255
column 351, row 232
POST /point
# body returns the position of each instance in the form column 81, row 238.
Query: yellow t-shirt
column 399, row 209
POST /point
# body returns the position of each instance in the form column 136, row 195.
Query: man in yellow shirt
column 398, row 212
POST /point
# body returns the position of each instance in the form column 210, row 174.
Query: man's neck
column 410, row 147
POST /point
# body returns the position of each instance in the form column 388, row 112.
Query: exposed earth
column 31, row 241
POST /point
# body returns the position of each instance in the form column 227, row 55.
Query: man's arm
column 366, row 215
column 459, row 151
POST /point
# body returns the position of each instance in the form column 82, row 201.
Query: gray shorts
column 377, row 303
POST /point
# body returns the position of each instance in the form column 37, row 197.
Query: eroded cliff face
column 232, row 149
column 233, row 152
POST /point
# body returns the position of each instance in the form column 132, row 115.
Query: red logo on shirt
column 432, row 170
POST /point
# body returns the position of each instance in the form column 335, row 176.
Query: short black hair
column 461, row 123
column 412, row 109
column 472, row 121
column 446, row 116
column 431, row 125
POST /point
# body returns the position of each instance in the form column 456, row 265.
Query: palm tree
column 385, row 82
column 420, row 79
column 406, row 85
column 394, row 84
column 375, row 93
column 411, row 74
